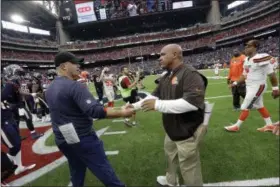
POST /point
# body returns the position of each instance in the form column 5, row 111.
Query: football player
column 216, row 69
column 51, row 74
column 108, row 86
column 256, row 68
column 98, row 87
column 10, row 135
column 25, row 112
column 41, row 106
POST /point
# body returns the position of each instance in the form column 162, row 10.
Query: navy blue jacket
column 70, row 102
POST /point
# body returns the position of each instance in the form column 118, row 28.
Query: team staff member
column 235, row 72
column 180, row 97
column 128, row 91
column 98, row 87
column 72, row 109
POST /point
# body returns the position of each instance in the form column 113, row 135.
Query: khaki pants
column 186, row 153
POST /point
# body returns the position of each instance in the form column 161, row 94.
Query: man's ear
column 63, row 66
column 175, row 54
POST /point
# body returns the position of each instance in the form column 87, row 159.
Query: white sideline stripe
column 115, row 132
column 223, row 96
column 216, row 83
column 42, row 171
column 112, row 152
column 118, row 120
column 216, row 77
column 254, row 182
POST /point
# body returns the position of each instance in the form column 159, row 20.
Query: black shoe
column 36, row 135
column 23, row 138
column 128, row 123
column 6, row 174
column 236, row 109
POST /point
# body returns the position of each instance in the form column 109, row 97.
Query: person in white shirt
column 132, row 9
column 216, row 69
column 108, row 86
column 256, row 68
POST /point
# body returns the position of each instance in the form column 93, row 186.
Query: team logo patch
column 88, row 101
column 174, row 81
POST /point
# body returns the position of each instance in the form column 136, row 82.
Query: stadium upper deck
column 206, row 35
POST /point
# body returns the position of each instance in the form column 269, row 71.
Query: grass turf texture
column 225, row 156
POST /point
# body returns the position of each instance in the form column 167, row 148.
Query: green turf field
column 225, row 156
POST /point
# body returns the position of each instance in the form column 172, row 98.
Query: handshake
column 130, row 109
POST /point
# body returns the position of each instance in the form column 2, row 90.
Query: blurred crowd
column 142, row 38
column 207, row 59
column 10, row 54
column 201, row 60
column 120, row 53
column 250, row 26
column 34, row 41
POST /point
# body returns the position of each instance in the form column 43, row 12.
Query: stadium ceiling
column 36, row 14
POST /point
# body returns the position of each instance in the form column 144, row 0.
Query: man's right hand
column 228, row 81
column 127, row 112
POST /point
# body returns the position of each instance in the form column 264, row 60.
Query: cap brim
column 78, row 61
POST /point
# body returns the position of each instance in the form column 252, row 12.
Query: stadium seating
column 120, row 53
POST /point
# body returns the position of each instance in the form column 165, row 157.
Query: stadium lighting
column 39, row 2
column 17, row 18
column 236, row 3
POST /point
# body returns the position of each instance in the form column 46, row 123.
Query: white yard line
column 115, row 132
column 223, row 96
column 216, row 83
column 117, row 120
column 254, row 182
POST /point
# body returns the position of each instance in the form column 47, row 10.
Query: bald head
column 170, row 56
column 174, row 48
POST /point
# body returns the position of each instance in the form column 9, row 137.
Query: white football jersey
column 108, row 82
column 257, row 68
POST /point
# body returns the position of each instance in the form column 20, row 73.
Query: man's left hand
column 275, row 94
column 148, row 105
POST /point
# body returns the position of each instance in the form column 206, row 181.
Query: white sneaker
column 162, row 181
column 48, row 118
column 21, row 169
column 44, row 119
column 34, row 118
column 4, row 184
